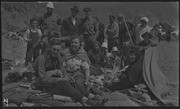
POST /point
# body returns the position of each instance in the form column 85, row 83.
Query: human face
column 49, row 11
column 104, row 50
column 111, row 20
column 87, row 13
column 143, row 23
column 120, row 19
column 114, row 53
column 96, row 47
column 75, row 44
column 74, row 13
column 55, row 50
column 34, row 24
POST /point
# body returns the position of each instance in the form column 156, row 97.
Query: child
column 32, row 36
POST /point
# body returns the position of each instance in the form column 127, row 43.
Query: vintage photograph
column 89, row 54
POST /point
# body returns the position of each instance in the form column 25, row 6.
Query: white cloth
column 140, row 31
column 27, row 33
column 73, row 20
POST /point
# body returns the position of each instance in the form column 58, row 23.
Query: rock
column 12, row 105
column 118, row 99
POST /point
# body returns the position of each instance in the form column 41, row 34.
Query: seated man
column 115, row 60
column 95, row 55
column 50, row 71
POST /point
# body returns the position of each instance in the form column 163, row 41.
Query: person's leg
column 79, row 84
column 29, row 54
column 35, row 54
column 65, row 88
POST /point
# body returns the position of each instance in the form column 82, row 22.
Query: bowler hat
column 87, row 9
column 75, row 8
column 147, row 34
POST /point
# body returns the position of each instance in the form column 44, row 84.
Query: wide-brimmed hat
column 114, row 49
column 74, row 8
column 50, row 5
column 104, row 44
column 87, row 9
column 147, row 34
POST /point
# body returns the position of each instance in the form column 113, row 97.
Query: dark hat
column 75, row 8
column 55, row 41
column 147, row 34
column 87, row 9
column 112, row 16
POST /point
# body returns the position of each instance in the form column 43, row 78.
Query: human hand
column 59, row 73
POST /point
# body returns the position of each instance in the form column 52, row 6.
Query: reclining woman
column 77, row 65
column 51, row 73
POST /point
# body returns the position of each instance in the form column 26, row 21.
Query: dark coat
column 68, row 29
column 100, row 38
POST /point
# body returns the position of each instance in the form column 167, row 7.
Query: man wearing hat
column 112, row 32
column 48, row 21
column 115, row 61
column 90, row 29
column 146, row 41
column 71, row 26
column 100, row 38
column 141, row 29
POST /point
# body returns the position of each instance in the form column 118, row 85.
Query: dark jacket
column 100, row 38
column 46, row 63
column 68, row 29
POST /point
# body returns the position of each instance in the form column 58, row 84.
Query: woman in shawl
column 77, row 65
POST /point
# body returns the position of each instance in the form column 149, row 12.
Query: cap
column 104, row 44
column 50, row 5
column 114, row 49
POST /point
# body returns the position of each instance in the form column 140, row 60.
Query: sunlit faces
column 75, row 44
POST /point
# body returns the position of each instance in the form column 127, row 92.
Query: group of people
column 63, row 51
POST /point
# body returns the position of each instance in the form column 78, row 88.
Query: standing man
column 112, row 32
column 141, row 29
column 90, row 29
column 100, row 38
column 122, row 29
column 48, row 21
column 71, row 26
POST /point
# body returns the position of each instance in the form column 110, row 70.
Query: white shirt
column 73, row 20
column 141, row 31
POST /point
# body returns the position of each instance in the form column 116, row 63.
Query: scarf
column 80, row 54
